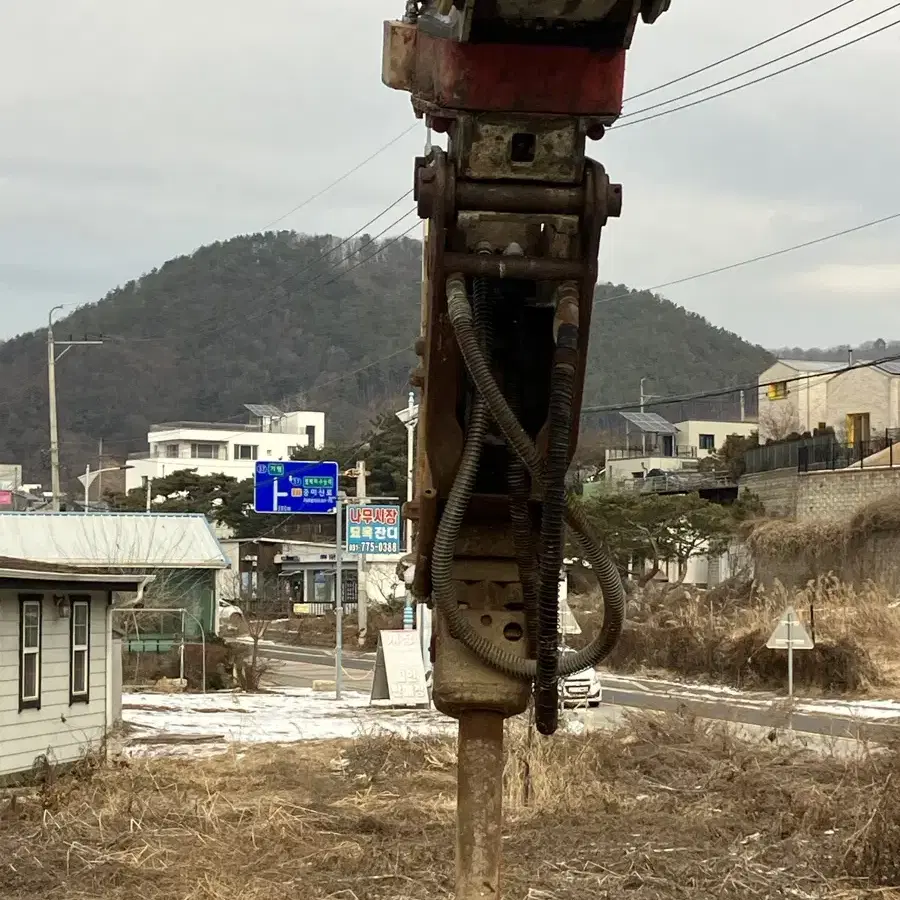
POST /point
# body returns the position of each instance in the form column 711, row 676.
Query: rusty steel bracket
column 443, row 199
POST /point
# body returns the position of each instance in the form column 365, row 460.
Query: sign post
column 790, row 635
column 291, row 488
column 338, row 600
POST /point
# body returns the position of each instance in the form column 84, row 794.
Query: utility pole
column 149, row 491
column 643, row 433
column 362, row 593
column 52, row 360
column 743, row 410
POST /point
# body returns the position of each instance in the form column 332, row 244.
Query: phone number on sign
column 375, row 546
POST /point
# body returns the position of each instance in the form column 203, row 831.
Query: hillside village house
column 225, row 447
column 654, row 444
column 802, row 395
column 180, row 549
column 60, row 681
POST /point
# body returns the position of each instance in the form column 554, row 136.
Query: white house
column 225, row 447
column 802, row 395
column 655, row 445
column 58, row 685
column 180, row 548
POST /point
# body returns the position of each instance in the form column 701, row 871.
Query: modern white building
column 655, row 446
column 802, row 395
column 60, row 685
column 225, row 447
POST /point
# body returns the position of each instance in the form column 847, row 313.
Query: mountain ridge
column 306, row 321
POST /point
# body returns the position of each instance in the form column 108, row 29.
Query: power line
column 343, row 177
column 796, row 65
column 297, row 273
column 739, row 53
column 764, row 64
column 754, row 386
column 754, row 259
column 697, row 275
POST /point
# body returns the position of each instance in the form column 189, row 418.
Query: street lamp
column 410, row 418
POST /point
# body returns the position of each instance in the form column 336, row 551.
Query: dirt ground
column 662, row 808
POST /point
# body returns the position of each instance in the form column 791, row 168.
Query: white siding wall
column 625, row 469
column 61, row 731
column 689, row 433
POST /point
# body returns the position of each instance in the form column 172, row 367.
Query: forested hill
column 875, row 349
column 263, row 318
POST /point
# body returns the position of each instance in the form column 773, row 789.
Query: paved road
column 316, row 656
column 764, row 710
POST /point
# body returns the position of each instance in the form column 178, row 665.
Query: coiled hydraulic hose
column 553, row 529
column 604, row 568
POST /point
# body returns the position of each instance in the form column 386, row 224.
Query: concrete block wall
column 817, row 496
column 777, row 490
column 839, row 494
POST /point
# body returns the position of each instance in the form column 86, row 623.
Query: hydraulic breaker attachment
column 514, row 211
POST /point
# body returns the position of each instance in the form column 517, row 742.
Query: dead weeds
column 722, row 637
column 662, row 808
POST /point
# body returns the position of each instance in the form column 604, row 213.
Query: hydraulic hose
column 603, row 566
column 553, row 527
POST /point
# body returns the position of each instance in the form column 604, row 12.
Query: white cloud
column 137, row 131
column 851, row 281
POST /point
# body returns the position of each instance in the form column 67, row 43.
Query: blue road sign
column 295, row 487
column 373, row 529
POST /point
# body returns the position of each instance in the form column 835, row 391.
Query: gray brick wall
column 838, row 495
column 816, row 496
column 777, row 490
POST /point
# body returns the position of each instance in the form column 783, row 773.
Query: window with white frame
column 30, row 651
column 246, row 451
column 80, row 641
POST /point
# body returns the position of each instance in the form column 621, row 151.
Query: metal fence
column 678, row 482
column 825, row 452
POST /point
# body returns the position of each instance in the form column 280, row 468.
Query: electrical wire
column 753, row 259
column 343, row 177
column 803, row 62
column 740, row 53
column 752, row 386
column 762, row 65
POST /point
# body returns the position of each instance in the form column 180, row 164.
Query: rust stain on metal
column 479, row 805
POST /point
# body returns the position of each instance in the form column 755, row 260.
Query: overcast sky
column 136, row 131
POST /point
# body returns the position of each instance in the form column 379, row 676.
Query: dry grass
column 724, row 638
column 862, row 548
column 663, row 808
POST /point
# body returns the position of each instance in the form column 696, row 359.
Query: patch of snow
column 209, row 722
